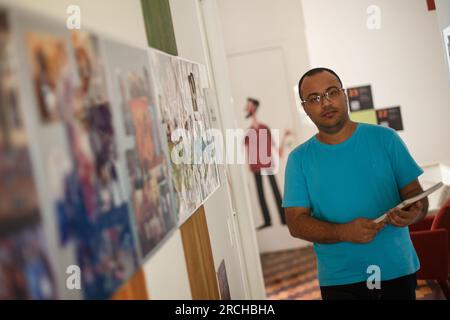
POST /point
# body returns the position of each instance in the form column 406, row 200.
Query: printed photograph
column 25, row 270
column 50, row 71
column 92, row 209
column 147, row 159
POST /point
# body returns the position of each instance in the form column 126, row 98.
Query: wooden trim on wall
column 134, row 289
column 199, row 258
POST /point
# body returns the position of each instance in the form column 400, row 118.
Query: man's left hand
column 403, row 218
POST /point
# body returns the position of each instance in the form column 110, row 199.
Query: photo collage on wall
column 146, row 154
column 100, row 114
column 198, row 123
column 25, row 268
column 92, row 209
column 182, row 106
column 172, row 113
column 362, row 109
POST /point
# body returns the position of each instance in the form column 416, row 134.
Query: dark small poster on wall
column 390, row 117
column 223, row 282
column 360, row 98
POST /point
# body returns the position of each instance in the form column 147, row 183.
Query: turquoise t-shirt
column 360, row 177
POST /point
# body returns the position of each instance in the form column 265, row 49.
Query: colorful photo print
column 146, row 154
column 199, row 122
column 92, row 210
column 50, row 72
column 390, row 117
column 25, row 270
column 124, row 98
column 182, row 102
column 173, row 115
column 360, row 98
column 18, row 205
column 150, row 203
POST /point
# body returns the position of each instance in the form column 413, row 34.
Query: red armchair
column 431, row 239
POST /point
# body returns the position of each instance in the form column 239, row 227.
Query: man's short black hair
column 254, row 101
column 313, row 72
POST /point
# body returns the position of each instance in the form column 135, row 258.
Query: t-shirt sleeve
column 295, row 187
column 405, row 167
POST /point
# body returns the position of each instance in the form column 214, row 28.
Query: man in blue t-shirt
column 337, row 183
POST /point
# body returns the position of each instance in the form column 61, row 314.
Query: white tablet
column 406, row 203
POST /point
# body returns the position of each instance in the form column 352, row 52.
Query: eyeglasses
column 316, row 100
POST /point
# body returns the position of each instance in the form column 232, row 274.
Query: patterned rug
column 292, row 275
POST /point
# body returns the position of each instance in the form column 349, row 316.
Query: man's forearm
column 311, row 229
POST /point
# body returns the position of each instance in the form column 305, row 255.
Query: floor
column 292, row 275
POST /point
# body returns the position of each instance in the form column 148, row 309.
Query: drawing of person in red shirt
column 263, row 157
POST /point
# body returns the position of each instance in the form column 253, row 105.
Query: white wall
column 257, row 25
column 166, row 273
column 402, row 61
column 265, row 45
column 120, row 19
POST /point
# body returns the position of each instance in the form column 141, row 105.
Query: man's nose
column 325, row 101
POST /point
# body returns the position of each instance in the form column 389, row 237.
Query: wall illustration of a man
column 263, row 157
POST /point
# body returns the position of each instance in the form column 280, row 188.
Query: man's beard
column 337, row 126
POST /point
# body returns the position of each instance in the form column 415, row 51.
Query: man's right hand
column 360, row 230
